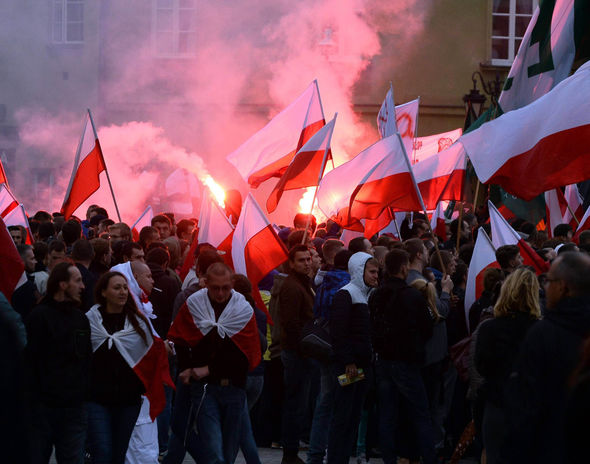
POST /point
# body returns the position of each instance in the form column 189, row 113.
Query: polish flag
column 484, row 257
column 442, row 177
column 541, row 146
column 18, row 217
column 12, row 268
column 215, row 228
column 196, row 318
column 256, row 247
column 148, row 361
column 3, row 179
column 555, row 206
column 88, row 165
column 347, row 235
column 307, row 168
column 405, row 121
column 270, row 150
column 575, row 202
column 425, row 147
column 584, row 225
column 143, row 221
column 438, row 223
column 503, row 234
column 375, row 179
column 7, row 200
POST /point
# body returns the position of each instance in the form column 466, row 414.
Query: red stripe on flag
column 248, row 341
column 479, row 281
column 225, row 246
column 86, row 180
column 558, row 159
column 531, row 258
column 154, row 372
column 11, row 264
column 183, row 329
column 448, row 187
column 396, row 191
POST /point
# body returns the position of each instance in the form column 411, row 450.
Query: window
column 68, row 21
column 510, row 19
column 174, row 26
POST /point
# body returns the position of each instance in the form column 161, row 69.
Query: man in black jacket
column 401, row 324
column 57, row 360
column 537, row 391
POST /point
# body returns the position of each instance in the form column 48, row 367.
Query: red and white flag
column 442, row 177
column 503, row 234
column 484, row 257
column 215, row 228
column 148, row 360
column 18, row 217
column 575, row 202
column 7, row 200
column 555, row 206
column 438, row 223
column 88, row 164
column 196, row 318
column 538, row 147
column 3, row 179
column 12, row 268
column 405, row 121
column 270, row 150
column 307, row 167
column 143, row 221
column 362, row 188
column 425, row 147
column 584, row 224
column 256, row 247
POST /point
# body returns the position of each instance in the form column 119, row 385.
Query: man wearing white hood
column 350, row 329
column 143, row 446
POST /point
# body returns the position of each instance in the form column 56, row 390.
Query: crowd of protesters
column 410, row 372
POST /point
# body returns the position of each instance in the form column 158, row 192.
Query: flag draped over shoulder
column 425, row 147
column 270, row 150
column 307, row 167
column 504, row 234
column 484, row 257
column 546, row 54
column 12, row 268
column 143, row 221
column 196, row 318
column 88, row 164
column 256, row 247
column 539, row 147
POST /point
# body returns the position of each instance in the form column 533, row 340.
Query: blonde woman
column 497, row 347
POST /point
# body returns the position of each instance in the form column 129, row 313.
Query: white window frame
column 175, row 31
column 512, row 50
column 65, row 22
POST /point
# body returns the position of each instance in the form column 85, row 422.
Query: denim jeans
column 62, row 427
column 348, row 402
column 109, row 431
column 163, row 421
column 247, row 443
column 320, row 426
column 400, row 381
column 297, row 378
column 178, row 425
column 214, row 435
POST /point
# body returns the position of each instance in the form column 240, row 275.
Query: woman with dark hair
column 118, row 332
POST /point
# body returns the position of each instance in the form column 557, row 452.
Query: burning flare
column 216, row 190
column 305, row 204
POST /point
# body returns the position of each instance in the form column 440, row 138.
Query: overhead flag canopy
column 539, row 147
column 270, row 150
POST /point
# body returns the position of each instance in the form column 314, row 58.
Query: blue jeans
column 320, row 426
column 348, row 402
column 214, row 436
column 163, row 421
column 297, row 378
column 62, row 427
column 178, row 425
column 399, row 381
column 109, row 431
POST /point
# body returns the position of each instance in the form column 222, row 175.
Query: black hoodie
column 537, row 390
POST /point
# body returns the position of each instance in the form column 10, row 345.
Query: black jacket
column 162, row 299
column 295, row 309
column 537, row 389
column 401, row 322
column 57, row 354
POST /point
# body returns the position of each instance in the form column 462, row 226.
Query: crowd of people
column 140, row 349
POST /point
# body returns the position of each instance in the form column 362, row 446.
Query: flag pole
column 322, row 168
column 105, row 167
column 569, row 208
column 459, row 223
column 422, row 204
